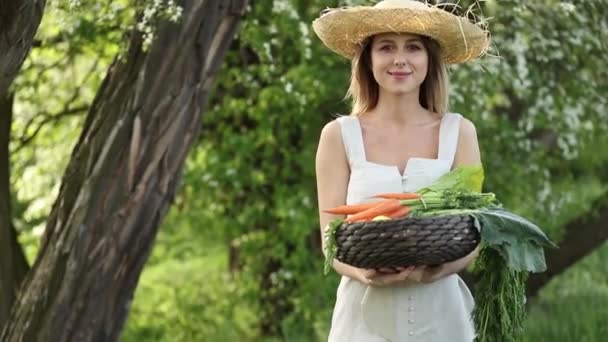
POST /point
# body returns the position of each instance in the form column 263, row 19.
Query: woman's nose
column 400, row 62
column 400, row 59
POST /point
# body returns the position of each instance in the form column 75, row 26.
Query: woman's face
column 399, row 62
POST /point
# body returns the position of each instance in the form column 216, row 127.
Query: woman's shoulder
column 332, row 132
column 331, row 148
column 467, row 151
column 333, row 129
column 466, row 126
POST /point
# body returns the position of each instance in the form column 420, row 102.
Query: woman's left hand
column 435, row 273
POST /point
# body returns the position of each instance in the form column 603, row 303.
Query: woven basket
column 410, row 241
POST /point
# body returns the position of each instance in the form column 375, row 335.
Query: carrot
column 350, row 208
column 398, row 195
column 382, row 208
column 400, row 212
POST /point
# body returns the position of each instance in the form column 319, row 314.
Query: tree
column 19, row 21
column 122, row 178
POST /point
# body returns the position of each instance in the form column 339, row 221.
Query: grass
column 574, row 305
column 193, row 299
column 188, row 300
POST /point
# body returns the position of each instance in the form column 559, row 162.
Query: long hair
column 364, row 90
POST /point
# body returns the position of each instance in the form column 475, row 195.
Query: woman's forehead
column 394, row 36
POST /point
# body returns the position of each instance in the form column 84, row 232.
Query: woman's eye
column 386, row 48
column 413, row 47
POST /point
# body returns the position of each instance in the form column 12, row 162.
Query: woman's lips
column 400, row 75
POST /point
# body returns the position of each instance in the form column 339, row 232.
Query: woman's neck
column 403, row 109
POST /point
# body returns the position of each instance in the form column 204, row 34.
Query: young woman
column 399, row 138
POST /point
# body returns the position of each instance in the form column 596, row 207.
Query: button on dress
column 434, row 312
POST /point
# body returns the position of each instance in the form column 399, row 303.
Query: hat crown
column 345, row 29
column 409, row 4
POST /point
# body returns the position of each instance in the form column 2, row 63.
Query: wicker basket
column 410, row 241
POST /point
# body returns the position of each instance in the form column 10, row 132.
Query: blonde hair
column 364, row 90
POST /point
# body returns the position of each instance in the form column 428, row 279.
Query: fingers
column 406, row 272
column 370, row 272
column 388, row 276
column 433, row 274
column 388, row 270
column 418, row 275
column 366, row 275
column 412, row 274
column 388, row 279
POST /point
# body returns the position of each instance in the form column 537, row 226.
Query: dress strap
column 448, row 136
column 352, row 138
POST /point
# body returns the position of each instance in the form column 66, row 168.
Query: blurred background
column 238, row 257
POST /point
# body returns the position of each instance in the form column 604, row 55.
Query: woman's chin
column 401, row 90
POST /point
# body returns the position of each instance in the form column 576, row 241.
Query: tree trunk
column 121, row 179
column 19, row 21
column 582, row 236
column 13, row 265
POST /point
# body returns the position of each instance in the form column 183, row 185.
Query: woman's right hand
column 374, row 277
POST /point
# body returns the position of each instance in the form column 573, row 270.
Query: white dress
column 435, row 312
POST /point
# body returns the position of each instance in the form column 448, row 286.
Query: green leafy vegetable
column 519, row 241
column 500, row 299
column 330, row 244
column 467, row 178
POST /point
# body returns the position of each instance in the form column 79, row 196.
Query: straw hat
column 344, row 29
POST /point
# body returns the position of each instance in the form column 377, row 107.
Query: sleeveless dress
column 414, row 312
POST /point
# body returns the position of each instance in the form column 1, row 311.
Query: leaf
column 469, row 177
column 523, row 229
column 330, row 244
column 527, row 256
column 518, row 240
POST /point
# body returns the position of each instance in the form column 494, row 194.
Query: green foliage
column 188, row 299
column 537, row 123
column 539, row 110
column 258, row 178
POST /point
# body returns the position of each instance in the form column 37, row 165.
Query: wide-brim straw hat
column 344, row 29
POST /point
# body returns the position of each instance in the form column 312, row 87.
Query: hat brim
column 344, row 30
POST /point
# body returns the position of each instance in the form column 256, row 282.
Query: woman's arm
column 467, row 153
column 333, row 172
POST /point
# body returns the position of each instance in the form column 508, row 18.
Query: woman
column 398, row 138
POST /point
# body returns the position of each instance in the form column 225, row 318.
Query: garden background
column 237, row 257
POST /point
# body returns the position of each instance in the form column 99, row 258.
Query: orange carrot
column 398, row 195
column 382, row 208
column 350, row 208
column 400, row 212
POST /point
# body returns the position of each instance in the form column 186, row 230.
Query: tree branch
column 19, row 21
column 13, row 265
column 583, row 235
column 46, row 119
column 67, row 110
